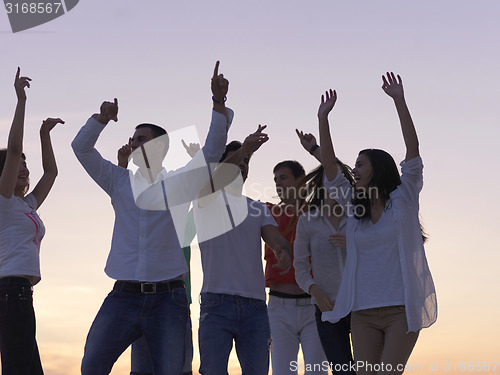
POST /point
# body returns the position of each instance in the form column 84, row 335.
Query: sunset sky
column 157, row 58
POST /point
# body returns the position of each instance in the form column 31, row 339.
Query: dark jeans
column 126, row 316
column 336, row 343
column 224, row 318
column 141, row 360
column 17, row 328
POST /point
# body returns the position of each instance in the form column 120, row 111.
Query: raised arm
column 328, row 159
column 280, row 247
column 308, row 141
column 220, row 86
column 394, row 88
column 49, row 165
column 101, row 170
column 10, row 172
column 192, row 149
column 226, row 171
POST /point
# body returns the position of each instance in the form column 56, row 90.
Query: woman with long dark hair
column 386, row 285
column 320, row 246
column 21, row 231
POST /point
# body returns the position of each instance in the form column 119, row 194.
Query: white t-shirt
column 21, row 232
column 232, row 261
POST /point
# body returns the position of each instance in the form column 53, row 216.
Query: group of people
column 343, row 248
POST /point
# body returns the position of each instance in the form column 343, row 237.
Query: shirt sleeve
column 411, row 179
column 102, row 171
column 267, row 218
column 31, row 201
column 341, row 190
column 301, row 256
column 215, row 143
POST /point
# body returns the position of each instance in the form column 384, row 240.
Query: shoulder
column 31, row 201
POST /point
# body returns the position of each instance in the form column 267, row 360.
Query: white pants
column 292, row 323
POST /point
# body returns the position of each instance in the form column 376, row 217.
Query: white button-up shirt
column 419, row 292
column 312, row 248
column 145, row 244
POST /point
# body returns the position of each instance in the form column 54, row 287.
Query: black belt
column 148, row 288
column 287, row 295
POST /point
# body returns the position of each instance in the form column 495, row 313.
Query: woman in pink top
column 21, row 231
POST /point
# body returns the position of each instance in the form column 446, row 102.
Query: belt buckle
column 148, row 288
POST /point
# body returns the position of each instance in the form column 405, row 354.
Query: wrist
column 313, row 149
column 218, row 100
column 100, row 118
column 44, row 131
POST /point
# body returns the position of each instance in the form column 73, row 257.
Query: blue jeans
column 17, row 328
column 141, row 361
column 126, row 316
column 336, row 343
column 224, row 318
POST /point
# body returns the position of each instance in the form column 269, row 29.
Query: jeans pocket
column 259, row 305
column 401, row 309
column 179, row 297
column 210, row 300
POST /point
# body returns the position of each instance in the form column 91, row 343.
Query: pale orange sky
column 157, row 58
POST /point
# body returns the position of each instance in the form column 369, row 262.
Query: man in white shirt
column 146, row 257
column 233, row 297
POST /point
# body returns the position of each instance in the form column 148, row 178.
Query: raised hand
column 220, row 85
column 393, row 87
column 192, row 148
column 124, row 153
column 49, row 124
column 253, row 142
column 20, row 83
column 307, row 140
column 109, row 111
column 327, row 102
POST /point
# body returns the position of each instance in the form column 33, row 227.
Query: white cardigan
column 420, row 294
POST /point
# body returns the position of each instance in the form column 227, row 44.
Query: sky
column 157, row 58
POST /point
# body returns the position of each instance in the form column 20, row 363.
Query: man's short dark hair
column 230, row 147
column 296, row 168
column 157, row 131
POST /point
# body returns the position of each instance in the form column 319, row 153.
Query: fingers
column 260, row 128
column 53, row 121
column 57, row 120
column 216, row 69
column 130, row 142
column 384, row 84
column 17, row 74
column 299, row 134
column 184, row 144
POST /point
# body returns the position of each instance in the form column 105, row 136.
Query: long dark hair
column 3, row 158
column 312, row 193
column 385, row 179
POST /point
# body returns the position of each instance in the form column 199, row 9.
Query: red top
column 283, row 219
